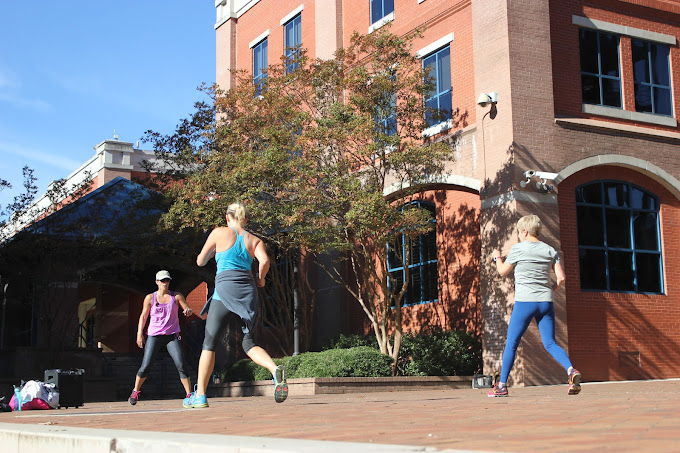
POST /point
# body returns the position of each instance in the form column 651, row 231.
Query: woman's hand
column 187, row 311
column 140, row 341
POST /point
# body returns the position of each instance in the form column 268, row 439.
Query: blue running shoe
column 193, row 401
column 280, row 384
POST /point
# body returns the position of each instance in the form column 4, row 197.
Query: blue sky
column 72, row 71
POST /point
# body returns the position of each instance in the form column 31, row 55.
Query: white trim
column 438, row 128
column 656, row 173
column 259, row 39
column 600, row 124
column 623, row 30
column 519, row 195
column 441, row 42
column 421, row 1
column 454, row 180
column 376, row 25
column 614, row 112
column 292, row 14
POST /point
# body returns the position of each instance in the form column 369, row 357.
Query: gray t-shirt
column 533, row 261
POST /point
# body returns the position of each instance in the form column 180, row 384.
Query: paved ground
column 621, row 416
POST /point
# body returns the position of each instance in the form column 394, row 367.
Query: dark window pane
column 643, row 98
column 660, row 68
column 648, row 272
column 388, row 7
column 609, row 54
column 611, row 92
column 621, row 276
column 591, row 193
column 588, row 49
column 445, row 105
column 662, row 101
column 590, row 89
column 616, row 194
column 590, row 228
column 414, row 292
column 640, row 61
column 640, row 199
column 618, row 228
column 444, row 69
column 592, row 269
column 645, row 229
column 376, row 10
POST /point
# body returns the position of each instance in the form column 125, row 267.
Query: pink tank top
column 164, row 318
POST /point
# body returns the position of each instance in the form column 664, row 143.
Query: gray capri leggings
column 153, row 345
column 218, row 318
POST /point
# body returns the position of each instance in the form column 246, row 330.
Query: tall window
column 600, row 73
column 386, row 111
column 380, row 9
column 259, row 65
column 651, row 69
column 437, row 67
column 618, row 238
column 423, row 273
column 293, row 36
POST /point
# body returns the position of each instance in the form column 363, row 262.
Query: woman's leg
column 150, row 350
column 522, row 314
column 175, row 350
column 218, row 318
column 546, row 326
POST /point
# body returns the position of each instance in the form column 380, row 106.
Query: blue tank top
column 235, row 257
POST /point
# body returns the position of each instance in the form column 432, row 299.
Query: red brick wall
column 603, row 324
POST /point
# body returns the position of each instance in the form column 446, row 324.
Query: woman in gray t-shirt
column 532, row 261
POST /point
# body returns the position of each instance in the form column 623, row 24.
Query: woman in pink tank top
column 162, row 307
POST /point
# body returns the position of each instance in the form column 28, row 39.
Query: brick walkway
column 621, row 416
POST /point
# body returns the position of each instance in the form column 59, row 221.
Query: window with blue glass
column 652, row 75
column 600, row 69
column 259, row 65
column 619, row 241
column 293, row 40
column 437, row 67
column 423, row 271
column 380, row 9
column 386, row 111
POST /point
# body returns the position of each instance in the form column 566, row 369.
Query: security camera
column 529, row 173
column 546, row 175
column 487, row 98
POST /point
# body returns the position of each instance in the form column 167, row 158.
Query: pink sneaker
column 134, row 397
column 498, row 391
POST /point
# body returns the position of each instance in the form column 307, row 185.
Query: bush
column 360, row 361
column 351, row 341
column 436, row 352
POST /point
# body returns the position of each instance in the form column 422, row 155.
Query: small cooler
column 70, row 385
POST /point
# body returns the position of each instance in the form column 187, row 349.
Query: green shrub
column 351, row 341
column 360, row 361
column 436, row 352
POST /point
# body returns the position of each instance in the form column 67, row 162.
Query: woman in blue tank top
column 235, row 293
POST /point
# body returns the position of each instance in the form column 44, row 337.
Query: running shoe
column 194, row 401
column 574, row 382
column 134, row 396
column 280, row 384
column 497, row 391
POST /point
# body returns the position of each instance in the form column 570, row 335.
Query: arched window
column 423, row 273
column 619, row 244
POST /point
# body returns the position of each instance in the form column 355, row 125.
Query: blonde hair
column 238, row 212
column 531, row 224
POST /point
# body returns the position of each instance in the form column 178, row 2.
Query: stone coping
column 320, row 386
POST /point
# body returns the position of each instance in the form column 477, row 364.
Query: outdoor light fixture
column 487, row 98
column 541, row 185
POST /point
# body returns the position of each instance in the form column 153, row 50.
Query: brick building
column 582, row 91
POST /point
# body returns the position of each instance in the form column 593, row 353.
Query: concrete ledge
column 320, row 386
column 41, row 439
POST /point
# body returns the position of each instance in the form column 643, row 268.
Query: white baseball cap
column 160, row 275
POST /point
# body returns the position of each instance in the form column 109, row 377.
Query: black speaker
column 70, row 385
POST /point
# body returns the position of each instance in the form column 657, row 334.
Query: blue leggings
column 520, row 319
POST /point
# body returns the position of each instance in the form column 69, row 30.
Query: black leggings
column 218, row 318
column 151, row 348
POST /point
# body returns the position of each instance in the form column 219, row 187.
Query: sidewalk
column 615, row 416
